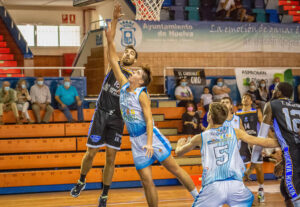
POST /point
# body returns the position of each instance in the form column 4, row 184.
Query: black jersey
column 249, row 120
column 286, row 120
column 108, row 99
column 286, row 117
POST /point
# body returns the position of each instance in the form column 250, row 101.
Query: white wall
column 46, row 16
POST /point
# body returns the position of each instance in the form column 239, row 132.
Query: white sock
column 194, row 193
column 261, row 185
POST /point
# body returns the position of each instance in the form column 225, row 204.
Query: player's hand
column 117, row 11
column 108, row 33
column 149, row 152
column 181, row 142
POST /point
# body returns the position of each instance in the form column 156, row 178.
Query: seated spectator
column 191, row 120
column 253, row 92
column 41, row 99
column 220, row 90
column 183, row 93
column 23, row 99
column 205, row 99
column 262, row 94
column 224, row 9
column 68, row 99
column 272, row 87
column 240, row 13
column 8, row 100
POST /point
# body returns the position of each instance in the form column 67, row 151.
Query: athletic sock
column 261, row 186
column 82, row 178
column 105, row 190
column 194, row 193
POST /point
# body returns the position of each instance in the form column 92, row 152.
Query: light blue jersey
column 234, row 122
column 221, row 159
column 133, row 116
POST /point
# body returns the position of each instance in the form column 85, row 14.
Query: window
column 28, row 33
column 47, row 35
column 69, row 35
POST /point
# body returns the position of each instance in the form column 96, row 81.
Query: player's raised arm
column 264, row 142
column 184, row 145
column 113, row 57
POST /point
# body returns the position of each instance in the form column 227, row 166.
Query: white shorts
column 231, row 192
column 161, row 146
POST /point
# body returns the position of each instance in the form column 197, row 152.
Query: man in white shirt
column 224, row 8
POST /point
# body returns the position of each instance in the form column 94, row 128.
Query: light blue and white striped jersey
column 234, row 122
column 221, row 158
column 132, row 111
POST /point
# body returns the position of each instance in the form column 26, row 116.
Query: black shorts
column 246, row 152
column 105, row 130
column 290, row 185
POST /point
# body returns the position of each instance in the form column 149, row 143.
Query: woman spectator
column 262, row 94
column 183, row 93
column 191, row 120
column 220, row 90
column 23, row 99
column 253, row 92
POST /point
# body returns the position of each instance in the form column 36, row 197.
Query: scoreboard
column 84, row 2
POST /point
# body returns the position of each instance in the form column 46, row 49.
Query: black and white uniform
column 107, row 125
column 251, row 125
column 286, row 121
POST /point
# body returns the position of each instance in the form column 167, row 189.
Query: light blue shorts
column 161, row 146
column 231, row 192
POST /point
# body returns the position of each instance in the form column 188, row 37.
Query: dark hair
column 218, row 112
column 286, row 89
column 206, row 87
column 147, row 77
column 190, row 103
column 228, row 98
column 132, row 48
column 248, row 94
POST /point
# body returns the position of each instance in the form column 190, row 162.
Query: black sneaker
column 102, row 201
column 75, row 191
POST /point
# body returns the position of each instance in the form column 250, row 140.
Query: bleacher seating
column 273, row 15
column 260, row 15
column 48, row 155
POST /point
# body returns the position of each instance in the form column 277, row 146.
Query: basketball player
column 284, row 114
column 232, row 120
column 223, row 167
column 251, row 119
column 107, row 125
column 148, row 144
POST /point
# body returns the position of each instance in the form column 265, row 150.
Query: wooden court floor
column 175, row 196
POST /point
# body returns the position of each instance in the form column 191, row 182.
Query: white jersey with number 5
column 221, row 158
column 234, row 122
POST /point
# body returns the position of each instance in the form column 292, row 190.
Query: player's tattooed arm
column 184, row 145
column 267, row 116
column 264, row 142
column 113, row 57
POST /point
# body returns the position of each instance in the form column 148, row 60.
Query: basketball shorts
column 161, row 147
column 231, row 192
column 246, row 152
column 105, row 130
column 290, row 185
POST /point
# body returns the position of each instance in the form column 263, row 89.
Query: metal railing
column 47, row 68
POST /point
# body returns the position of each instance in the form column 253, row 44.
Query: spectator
column 23, row 99
column 225, row 8
column 205, row 99
column 183, row 93
column 68, row 99
column 298, row 92
column 253, row 92
column 262, row 95
column 272, row 87
column 41, row 99
column 8, row 100
column 220, row 90
column 240, row 13
column 191, row 120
